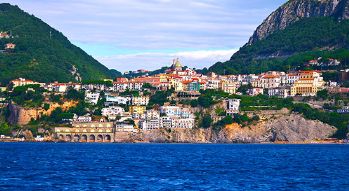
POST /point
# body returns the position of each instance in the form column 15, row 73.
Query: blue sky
column 148, row 34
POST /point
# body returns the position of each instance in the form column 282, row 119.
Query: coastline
column 316, row 142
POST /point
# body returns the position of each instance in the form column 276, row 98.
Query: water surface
column 56, row 166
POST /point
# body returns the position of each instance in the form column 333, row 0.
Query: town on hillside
column 180, row 98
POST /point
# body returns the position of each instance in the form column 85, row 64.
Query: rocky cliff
column 295, row 10
column 22, row 116
column 291, row 128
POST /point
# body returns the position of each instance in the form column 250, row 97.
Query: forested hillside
column 42, row 53
column 300, row 42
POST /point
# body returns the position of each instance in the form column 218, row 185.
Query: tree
column 194, row 103
column 46, row 106
column 323, row 94
column 244, row 88
column 159, row 98
column 148, row 86
column 5, row 129
column 206, row 121
column 205, row 101
column 73, row 94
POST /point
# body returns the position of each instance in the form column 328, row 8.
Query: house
column 111, row 99
column 166, row 122
column 124, row 127
column 183, row 123
column 152, row 120
column 171, row 111
column 4, row 35
column 92, row 97
column 281, row 92
column 82, row 119
column 23, row 82
column 255, row 91
column 232, row 106
column 140, row 100
column 228, row 86
column 10, row 46
column 112, row 111
column 137, row 111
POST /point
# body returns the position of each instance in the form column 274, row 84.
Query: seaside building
column 308, row 84
column 86, row 132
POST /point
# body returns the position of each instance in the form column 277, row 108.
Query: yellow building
column 309, row 83
column 228, row 87
column 177, row 84
column 137, row 109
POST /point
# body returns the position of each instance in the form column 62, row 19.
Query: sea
column 68, row 166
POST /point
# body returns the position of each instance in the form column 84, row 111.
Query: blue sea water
column 57, row 166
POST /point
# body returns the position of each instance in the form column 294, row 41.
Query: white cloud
column 147, row 25
column 156, row 60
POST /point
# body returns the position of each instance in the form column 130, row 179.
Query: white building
column 232, row 106
column 182, row 123
column 124, row 127
column 82, row 119
column 166, row 122
column 117, row 99
column 152, row 120
column 255, row 91
column 91, row 97
column 281, row 92
column 112, row 111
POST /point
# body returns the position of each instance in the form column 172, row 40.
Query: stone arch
column 83, row 138
column 61, row 137
column 68, row 138
column 92, row 138
column 76, row 138
column 107, row 138
column 100, row 138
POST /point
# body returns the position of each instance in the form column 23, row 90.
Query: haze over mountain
column 297, row 31
column 42, row 53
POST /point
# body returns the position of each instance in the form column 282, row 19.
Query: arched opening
column 61, row 137
column 83, row 138
column 76, row 138
column 91, row 138
column 107, row 138
column 68, row 138
column 100, row 138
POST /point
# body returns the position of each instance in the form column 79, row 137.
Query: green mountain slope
column 285, row 49
column 42, row 53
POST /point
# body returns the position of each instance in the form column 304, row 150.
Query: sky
column 147, row 34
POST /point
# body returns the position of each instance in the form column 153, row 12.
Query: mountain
column 296, row 32
column 42, row 53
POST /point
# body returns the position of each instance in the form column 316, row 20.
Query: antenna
column 50, row 34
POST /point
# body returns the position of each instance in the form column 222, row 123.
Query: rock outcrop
column 292, row 128
column 22, row 116
column 295, row 128
column 295, row 10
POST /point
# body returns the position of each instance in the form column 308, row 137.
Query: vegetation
column 340, row 121
column 159, row 98
column 99, row 82
column 5, row 129
column 28, row 96
column 206, row 121
column 130, row 93
column 73, row 94
column 302, row 41
column 42, row 53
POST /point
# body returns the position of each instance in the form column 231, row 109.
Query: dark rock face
column 295, row 10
